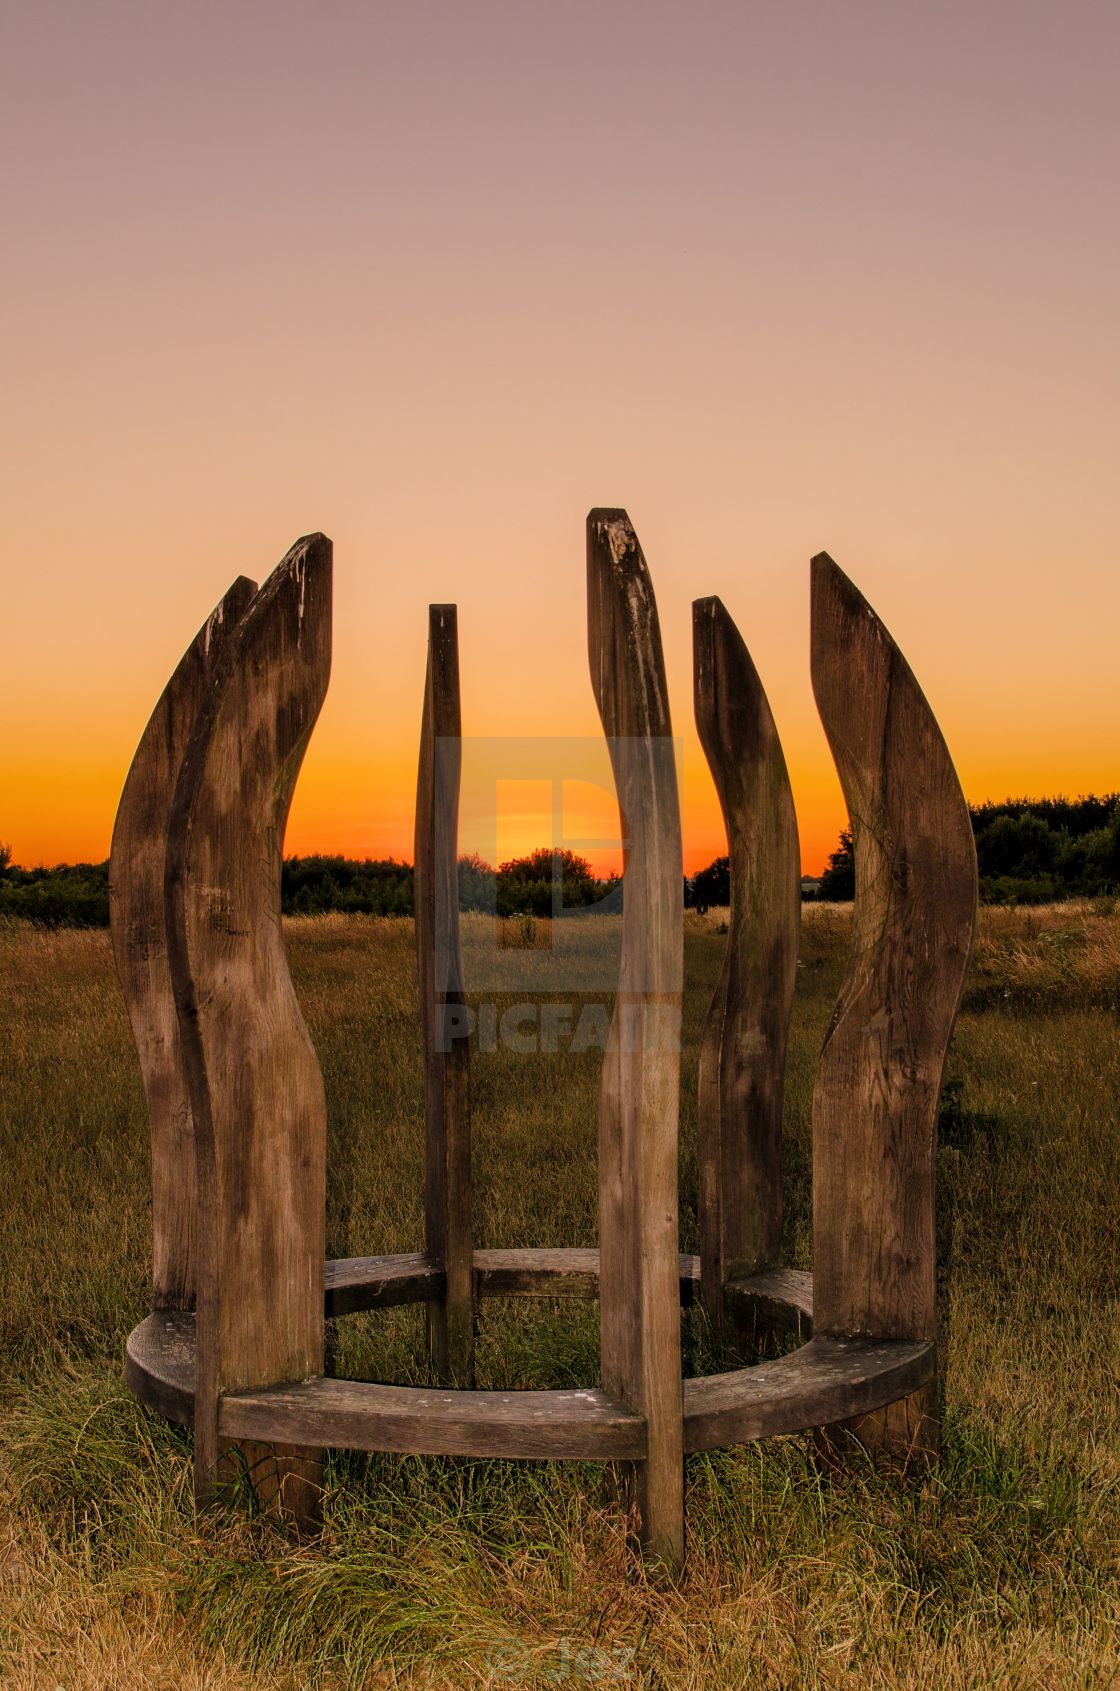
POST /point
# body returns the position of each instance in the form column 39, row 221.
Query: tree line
column 543, row 883
column 1029, row 851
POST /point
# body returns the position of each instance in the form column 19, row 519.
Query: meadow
column 1002, row 1568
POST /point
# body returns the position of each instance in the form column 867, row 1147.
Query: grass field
column 1003, row 1569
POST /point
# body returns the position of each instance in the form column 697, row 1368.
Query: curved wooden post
column 255, row 1088
column 638, row 1094
column 447, row 1185
column 879, row 1075
column 137, row 861
column 743, row 1047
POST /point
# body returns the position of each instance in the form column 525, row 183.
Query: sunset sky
column 437, row 278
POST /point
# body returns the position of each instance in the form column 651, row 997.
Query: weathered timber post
column 743, row 1046
column 447, row 1185
column 638, row 1097
column 879, row 1075
column 256, row 1093
column 138, row 861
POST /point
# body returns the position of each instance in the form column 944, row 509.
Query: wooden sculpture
column 743, row 1049
column 235, row 1340
column 139, row 932
column 447, row 1105
column 639, row 1272
column 880, row 1073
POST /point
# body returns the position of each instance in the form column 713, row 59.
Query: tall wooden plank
column 638, row 1096
column 255, row 1088
column 447, row 1185
column 879, row 1075
column 743, row 1046
column 137, row 861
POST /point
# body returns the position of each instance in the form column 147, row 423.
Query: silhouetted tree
column 477, row 883
column 713, row 884
column 548, row 882
column 838, row 883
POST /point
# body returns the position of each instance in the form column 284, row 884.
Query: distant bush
column 550, row 882
column 477, row 880
column 71, row 895
column 372, row 886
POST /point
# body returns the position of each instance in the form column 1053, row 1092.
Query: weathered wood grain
column 255, row 1089
column 879, row 1075
column 743, row 1045
column 638, row 1096
column 159, row 1363
column 537, row 1273
column 417, row 1421
column 823, row 1381
column 447, row 1106
column 137, row 862
column 778, row 1300
column 563, row 1273
column 354, row 1415
column 354, row 1283
column 160, row 1352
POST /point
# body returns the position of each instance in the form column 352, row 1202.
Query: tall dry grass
column 1001, row 1570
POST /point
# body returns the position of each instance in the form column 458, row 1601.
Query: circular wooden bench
column 824, row 1380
